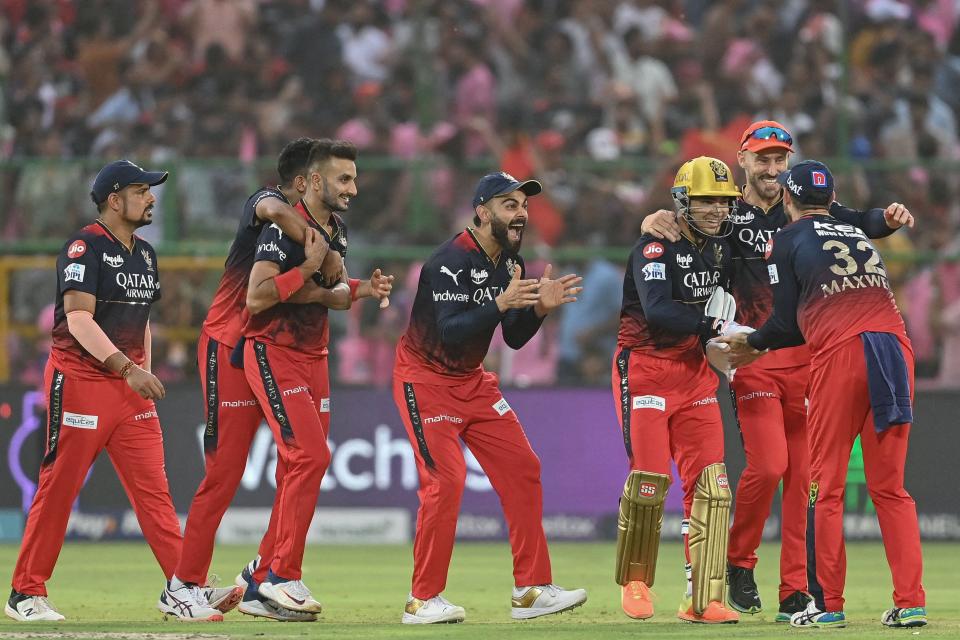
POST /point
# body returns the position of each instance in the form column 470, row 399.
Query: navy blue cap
column 500, row 184
column 809, row 182
column 119, row 174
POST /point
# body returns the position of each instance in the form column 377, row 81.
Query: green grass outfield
column 112, row 589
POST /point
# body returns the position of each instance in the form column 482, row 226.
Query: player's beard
column 331, row 200
column 500, row 232
column 142, row 220
column 766, row 190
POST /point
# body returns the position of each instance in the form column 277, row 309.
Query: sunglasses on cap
column 765, row 133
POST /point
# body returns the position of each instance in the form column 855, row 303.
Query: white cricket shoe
column 188, row 603
column 246, row 574
column 27, row 608
column 292, row 594
column 435, row 610
column 260, row 607
column 543, row 600
column 223, row 599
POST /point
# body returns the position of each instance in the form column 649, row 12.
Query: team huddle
column 800, row 320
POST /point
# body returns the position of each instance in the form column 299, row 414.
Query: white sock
column 175, row 583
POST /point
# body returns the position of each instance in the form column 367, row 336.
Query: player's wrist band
column 288, row 283
column 354, row 286
column 127, row 368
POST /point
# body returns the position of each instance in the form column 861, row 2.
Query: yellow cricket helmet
column 704, row 177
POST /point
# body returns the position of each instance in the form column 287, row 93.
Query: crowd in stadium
column 599, row 99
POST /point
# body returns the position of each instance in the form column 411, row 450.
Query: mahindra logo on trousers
column 440, row 418
column 300, row 389
column 232, row 404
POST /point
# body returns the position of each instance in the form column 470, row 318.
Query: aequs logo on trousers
column 649, row 402
column 80, row 421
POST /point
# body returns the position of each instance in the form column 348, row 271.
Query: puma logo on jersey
column 453, row 275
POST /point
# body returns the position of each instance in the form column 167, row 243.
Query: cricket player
column 830, row 290
column 770, row 395
column 101, row 393
column 232, row 414
column 471, row 284
column 285, row 361
column 666, row 395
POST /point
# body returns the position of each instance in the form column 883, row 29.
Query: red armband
column 354, row 286
column 288, row 283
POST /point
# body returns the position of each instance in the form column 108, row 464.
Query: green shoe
column 907, row 617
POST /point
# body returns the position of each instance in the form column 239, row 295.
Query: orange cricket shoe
column 715, row 613
column 636, row 600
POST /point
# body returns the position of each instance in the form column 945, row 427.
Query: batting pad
column 638, row 526
column 709, row 533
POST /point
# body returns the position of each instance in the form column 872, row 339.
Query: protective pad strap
column 638, row 526
column 709, row 533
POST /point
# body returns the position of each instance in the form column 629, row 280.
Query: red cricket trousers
column 839, row 412
column 667, row 410
column 232, row 417
column 772, row 415
column 437, row 419
column 293, row 389
column 86, row 414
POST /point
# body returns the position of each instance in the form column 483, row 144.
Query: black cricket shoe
column 793, row 603
column 742, row 592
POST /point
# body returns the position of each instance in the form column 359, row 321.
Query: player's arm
column 273, row 210
column 456, row 321
column 272, row 280
column 875, row 223
column 147, row 348
column 661, row 224
column 79, row 308
column 781, row 329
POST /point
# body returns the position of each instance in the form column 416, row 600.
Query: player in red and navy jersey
column 772, row 391
column 101, row 393
column 232, row 415
column 285, row 363
column 666, row 393
column 471, row 284
column 830, row 290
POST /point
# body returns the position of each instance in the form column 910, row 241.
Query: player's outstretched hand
column 315, row 249
column 554, row 293
column 661, row 224
column 740, row 352
column 146, row 384
column 519, row 293
column 380, row 287
column 897, row 215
